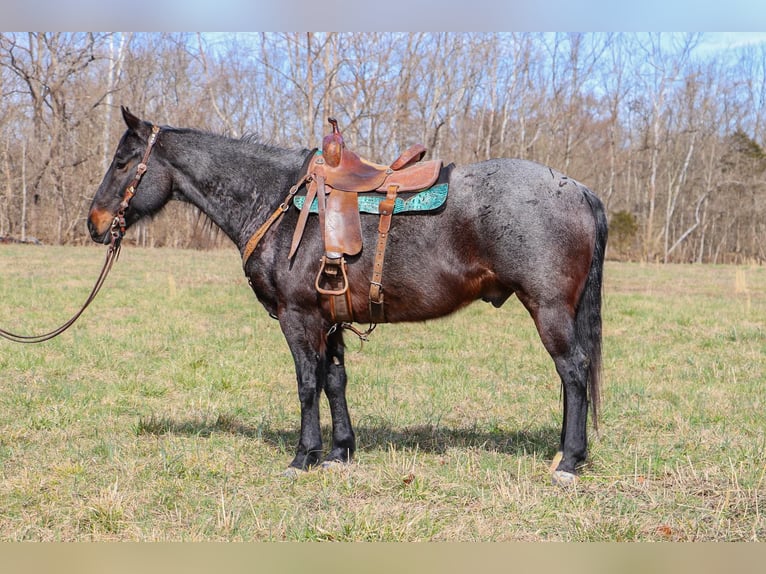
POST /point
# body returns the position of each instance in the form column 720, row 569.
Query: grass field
column 170, row 411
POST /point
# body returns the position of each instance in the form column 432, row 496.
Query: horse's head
column 151, row 195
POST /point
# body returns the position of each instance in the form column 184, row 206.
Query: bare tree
column 669, row 136
column 665, row 57
column 49, row 66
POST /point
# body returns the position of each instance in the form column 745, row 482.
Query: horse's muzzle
column 97, row 232
column 99, row 224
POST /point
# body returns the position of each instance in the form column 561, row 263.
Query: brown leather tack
column 336, row 177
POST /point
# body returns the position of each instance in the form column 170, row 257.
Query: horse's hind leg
column 557, row 331
column 343, row 440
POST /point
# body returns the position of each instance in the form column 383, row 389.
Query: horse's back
column 521, row 189
column 521, row 202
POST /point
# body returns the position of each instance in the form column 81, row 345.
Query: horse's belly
column 439, row 294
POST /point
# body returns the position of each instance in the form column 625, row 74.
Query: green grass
column 170, row 411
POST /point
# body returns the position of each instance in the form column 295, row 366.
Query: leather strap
column 252, row 243
column 321, row 197
column 386, row 208
column 261, row 231
column 341, row 310
column 130, row 190
column 302, row 218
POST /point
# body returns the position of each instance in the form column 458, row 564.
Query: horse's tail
column 588, row 316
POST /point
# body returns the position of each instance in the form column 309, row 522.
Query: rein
column 117, row 232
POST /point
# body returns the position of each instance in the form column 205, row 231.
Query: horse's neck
column 236, row 189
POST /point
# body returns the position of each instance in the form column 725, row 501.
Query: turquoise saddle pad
column 427, row 200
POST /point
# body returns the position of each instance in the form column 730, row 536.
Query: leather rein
column 116, row 232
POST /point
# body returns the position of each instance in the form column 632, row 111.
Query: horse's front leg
column 304, row 337
column 343, row 439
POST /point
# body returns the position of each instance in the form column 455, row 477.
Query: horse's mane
column 269, row 146
column 264, row 145
column 254, row 138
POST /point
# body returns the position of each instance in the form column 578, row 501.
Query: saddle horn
column 332, row 145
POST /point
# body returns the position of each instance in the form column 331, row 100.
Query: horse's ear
column 130, row 120
column 134, row 123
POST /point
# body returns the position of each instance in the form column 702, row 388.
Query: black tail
column 588, row 316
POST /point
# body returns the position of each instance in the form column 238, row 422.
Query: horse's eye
column 121, row 164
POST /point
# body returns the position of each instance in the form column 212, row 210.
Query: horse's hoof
column 563, row 478
column 293, row 473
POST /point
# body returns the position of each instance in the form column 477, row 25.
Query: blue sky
column 387, row 15
column 724, row 40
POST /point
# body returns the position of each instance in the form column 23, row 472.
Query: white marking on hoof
column 555, row 463
column 563, row 478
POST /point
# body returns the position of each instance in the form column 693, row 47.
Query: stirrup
column 329, row 268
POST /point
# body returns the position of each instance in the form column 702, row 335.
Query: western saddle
column 335, row 177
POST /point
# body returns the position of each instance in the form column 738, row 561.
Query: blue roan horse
column 508, row 226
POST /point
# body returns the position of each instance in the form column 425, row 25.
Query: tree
column 48, row 67
column 669, row 136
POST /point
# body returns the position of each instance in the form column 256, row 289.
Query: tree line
column 669, row 135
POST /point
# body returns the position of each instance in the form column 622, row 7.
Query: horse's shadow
column 373, row 435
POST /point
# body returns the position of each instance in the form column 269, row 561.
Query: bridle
column 116, row 233
column 117, row 230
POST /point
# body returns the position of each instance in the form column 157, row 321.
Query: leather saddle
column 337, row 176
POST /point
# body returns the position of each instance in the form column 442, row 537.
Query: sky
column 387, row 15
column 729, row 40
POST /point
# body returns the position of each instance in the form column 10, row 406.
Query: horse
column 508, row 226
